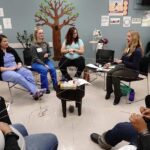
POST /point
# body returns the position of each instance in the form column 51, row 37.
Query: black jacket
column 143, row 142
column 8, row 50
column 10, row 140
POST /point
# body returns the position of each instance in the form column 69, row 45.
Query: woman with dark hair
column 11, row 69
column 72, row 50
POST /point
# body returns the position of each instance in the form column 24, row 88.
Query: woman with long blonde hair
column 127, row 66
column 40, row 59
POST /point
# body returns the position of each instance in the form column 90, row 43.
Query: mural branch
column 56, row 14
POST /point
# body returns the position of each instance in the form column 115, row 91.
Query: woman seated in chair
column 127, row 66
column 72, row 49
column 11, row 69
column 40, row 60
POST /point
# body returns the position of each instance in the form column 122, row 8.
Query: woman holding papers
column 127, row 66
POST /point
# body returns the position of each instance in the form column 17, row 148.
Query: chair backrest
column 144, row 65
column 104, row 56
column 147, row 48
column 27, row 56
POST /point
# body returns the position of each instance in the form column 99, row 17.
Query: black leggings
column 78, row 62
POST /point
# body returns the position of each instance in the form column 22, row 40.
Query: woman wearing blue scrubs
column 11, row 69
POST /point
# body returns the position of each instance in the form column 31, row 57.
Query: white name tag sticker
column 39, row 50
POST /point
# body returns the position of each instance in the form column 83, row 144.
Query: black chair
column 143, row 67
column 104, row 56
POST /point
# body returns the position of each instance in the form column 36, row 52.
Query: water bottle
column 131, row 95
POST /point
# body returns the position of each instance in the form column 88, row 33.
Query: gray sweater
column 38, row 50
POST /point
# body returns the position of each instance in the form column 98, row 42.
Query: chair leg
column 11, row 99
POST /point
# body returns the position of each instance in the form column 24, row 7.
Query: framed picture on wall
column 118, row 7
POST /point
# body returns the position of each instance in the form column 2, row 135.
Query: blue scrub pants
column 22, row 77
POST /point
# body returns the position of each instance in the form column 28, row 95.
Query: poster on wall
column 136, row 20
column 126, row 21
column 1, row 12
column 104, row 20
column 7, row 23
column 118, row 7
column 114, row 20
column 1, row 30
column 146, row 19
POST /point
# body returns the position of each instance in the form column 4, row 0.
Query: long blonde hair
column 37, row 28
column 136, row 42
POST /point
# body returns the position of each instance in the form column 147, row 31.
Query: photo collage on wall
column 118, row 7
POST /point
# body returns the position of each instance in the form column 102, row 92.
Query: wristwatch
column 145, row 132
column 11, row 134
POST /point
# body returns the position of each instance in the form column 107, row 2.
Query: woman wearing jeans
column 40, row 60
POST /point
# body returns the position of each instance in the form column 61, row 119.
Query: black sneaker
column 94, row 137
column 108, row 94
column 117, row 99
column 37, row 95
column 98, row 139
column 102, row 143
column 47, row 91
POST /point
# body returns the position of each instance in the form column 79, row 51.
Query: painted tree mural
column 56, row 14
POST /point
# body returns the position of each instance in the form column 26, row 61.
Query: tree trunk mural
column 57, row 43
column 49, row 13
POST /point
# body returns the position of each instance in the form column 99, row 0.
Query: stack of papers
column 92, row 66
column 72, row 84
column 100, row 68
column 80, row 82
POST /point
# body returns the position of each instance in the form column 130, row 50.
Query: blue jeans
column 43, row 141
column 43, row 71
column 122, row 131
